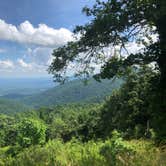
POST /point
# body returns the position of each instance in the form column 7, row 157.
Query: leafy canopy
column 115, row 23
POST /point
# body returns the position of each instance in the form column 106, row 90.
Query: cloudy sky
column 30, row 29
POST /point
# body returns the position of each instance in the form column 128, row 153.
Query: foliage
column 90, row 153
column 115, row 147
column 46, row 136
column 10, row 106
column 129, row 108
column 7, row 130
column 93, row 134
column 31, row 132
column 73, row 92
column 115, row 23
column 71, row 120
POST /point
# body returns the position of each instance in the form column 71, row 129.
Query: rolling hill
column 73, row 92
column 10, row 106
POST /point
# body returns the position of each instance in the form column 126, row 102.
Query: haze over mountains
column 24, row 86
column 12, row 89
column 73, row 92
column 23, row 94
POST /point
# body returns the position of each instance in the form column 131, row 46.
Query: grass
column 75, row 153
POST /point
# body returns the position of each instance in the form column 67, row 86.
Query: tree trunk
column 161, row 28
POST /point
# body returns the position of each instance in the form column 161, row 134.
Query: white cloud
column 40, row 41
column 23, row 64
column 41, row 35
column 6, row 64
column 39, row 55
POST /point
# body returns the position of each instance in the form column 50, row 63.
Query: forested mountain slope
column 10, row 106
column 73, row 92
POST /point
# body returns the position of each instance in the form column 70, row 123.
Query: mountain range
column 74, row 91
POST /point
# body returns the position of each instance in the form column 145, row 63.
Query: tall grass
column 74, row 153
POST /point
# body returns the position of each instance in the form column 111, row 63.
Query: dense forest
column 119, row 120
column 118, row 131
column 73, row 92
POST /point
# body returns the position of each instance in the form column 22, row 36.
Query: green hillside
column 10, row 106
column 73, row 92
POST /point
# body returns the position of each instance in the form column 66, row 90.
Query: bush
column 31, row 132
column 112, row 152
column 114, row 149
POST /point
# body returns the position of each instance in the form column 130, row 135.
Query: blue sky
column 30, row 29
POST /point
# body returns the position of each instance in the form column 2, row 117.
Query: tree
column 129, row 108
column 116, row 23
column 58, row 129
column 8, row 131
column 31, row 132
